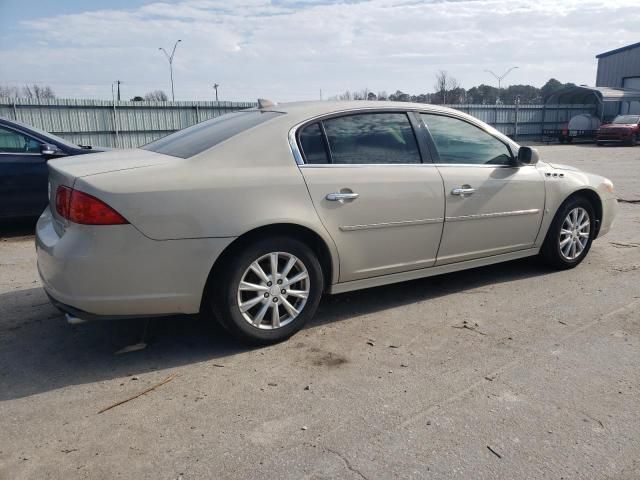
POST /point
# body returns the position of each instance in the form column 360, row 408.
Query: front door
column 492, row 206
column 23, row 175
column 382, row 206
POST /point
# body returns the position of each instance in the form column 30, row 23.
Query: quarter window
column 372, row 138
column 312, row 144
column 14, row 142
column 202, row 136
column 460, row 142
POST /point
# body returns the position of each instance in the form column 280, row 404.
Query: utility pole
column 170, row 59
column 118, row 82
column 500, row 78
column 215, row 87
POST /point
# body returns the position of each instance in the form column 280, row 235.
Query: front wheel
column 570, row 235
column 633, row 141
column 268, row 291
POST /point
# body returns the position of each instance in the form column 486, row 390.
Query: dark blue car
column 24, row 152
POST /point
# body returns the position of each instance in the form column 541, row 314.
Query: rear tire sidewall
column 551, row 247
column 225, row 304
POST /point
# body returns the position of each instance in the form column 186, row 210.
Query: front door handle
column 342, row 196
column 463, row 191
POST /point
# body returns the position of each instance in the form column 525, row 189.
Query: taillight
column 80, row 207
column 63, row 197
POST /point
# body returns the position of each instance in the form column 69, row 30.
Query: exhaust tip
column 73, row 320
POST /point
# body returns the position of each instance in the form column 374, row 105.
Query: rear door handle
column 463, row 191
column 341, row 197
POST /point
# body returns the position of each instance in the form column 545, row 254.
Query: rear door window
column 202, row 136
column 372, row 138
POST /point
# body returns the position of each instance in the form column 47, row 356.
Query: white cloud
column 289, row 49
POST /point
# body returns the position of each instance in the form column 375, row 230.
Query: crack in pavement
column 346, row 462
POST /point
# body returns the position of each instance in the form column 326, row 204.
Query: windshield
column 202, row 136
column 626, row 119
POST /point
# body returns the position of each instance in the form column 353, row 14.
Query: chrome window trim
column 481, row 165
column 21, row 153
column 359, row 165
column 482, row 216
column 297, row 155
column 401, row 223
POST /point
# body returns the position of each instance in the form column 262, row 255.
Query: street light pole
column 500, row 78
column 170, row 59
column 215, row 87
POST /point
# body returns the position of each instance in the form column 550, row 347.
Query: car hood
column 109, row 161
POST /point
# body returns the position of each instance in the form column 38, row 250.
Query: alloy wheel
column 574, row 233
column 273, row 290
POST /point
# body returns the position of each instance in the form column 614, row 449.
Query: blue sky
column 290, row 49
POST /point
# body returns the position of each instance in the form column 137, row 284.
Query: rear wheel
column 570, row 235
column 268, row 292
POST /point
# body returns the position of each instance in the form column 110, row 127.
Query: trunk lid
column 65, row 171
column 77, row 166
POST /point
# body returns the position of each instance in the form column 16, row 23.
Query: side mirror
column 49, row 150
column 528, row 156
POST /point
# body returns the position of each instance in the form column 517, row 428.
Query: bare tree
column 347, row 95
column 38, row 92
column 445, row 83
column 9, row 92
column 156, row 95
column 28, row 91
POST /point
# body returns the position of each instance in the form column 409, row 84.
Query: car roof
column 316, row 108
column 302, row 112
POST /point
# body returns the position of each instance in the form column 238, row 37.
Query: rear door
column 492, row 205
column 23, row 175
column 382, row 205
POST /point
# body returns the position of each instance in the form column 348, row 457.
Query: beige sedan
column 252, row 216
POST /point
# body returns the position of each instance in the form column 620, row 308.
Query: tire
column 226, row 295
column 633, row 141
column 556, row 255
column 600, row 144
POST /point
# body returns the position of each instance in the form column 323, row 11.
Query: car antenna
column 264, row 103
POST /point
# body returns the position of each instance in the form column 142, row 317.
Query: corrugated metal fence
column 125, row 124
column 525, row 121
column 131, row 124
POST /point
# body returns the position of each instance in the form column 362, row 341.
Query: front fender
column 563, row 182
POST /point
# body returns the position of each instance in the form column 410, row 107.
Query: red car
column 623, row 129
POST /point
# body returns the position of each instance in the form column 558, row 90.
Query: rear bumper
column 73, row 312
column 614, row 137
column 115, row 271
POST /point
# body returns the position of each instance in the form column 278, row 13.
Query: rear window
column 202, row 136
